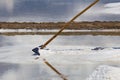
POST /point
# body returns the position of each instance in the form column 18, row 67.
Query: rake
column 36, row 50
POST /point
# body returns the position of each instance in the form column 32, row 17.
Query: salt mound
column 105, row 72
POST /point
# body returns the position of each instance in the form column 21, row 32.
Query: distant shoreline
column 97, row 25
column 50, row 28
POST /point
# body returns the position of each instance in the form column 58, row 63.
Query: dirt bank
column 51, row 25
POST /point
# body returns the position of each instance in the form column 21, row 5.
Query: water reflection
column 5, row 67
column 16, row 63
column 5, row 41
column 88, row 40
column 10, row 71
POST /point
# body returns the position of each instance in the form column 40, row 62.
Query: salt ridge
column 105, row 72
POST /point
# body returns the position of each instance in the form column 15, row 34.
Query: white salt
column 105, row 72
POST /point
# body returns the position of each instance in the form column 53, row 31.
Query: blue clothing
column 36, row 51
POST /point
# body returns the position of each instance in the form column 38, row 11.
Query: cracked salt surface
column 105, row 72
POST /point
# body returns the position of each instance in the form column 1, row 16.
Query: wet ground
column 17, row 62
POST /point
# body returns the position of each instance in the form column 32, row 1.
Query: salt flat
column 77, row 57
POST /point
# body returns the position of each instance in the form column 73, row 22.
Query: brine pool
column 17, row 62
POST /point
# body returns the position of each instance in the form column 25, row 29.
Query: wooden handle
column 68, row 23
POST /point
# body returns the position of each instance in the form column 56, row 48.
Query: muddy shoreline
column 112, row 28
column 52, row 25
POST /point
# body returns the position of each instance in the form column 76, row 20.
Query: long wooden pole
column 67, row 24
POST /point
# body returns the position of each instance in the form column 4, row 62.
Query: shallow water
column 17, row 63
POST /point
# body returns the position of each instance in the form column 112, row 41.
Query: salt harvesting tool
column 36, row 50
